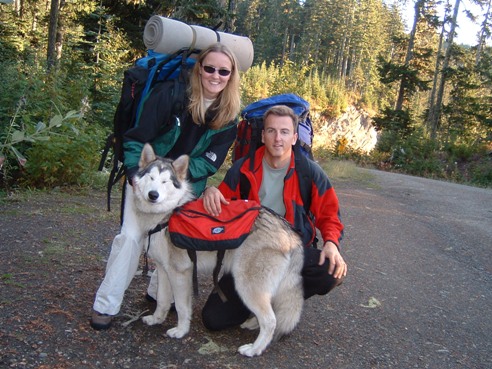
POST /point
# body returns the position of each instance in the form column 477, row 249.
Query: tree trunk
column 284, row 47
column 18, row 6
column 409, row 56
column 52, row 30
column 483, row 33
column 292, row 47
column 231, row 19
column 230, row 6
column 440, row 93
column 60, row 32
column 432, row 99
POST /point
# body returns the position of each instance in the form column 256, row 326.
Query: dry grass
column 337, row 170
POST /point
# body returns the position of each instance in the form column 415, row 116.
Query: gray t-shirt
column 272, row 188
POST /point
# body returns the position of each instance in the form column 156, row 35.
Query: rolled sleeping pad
column 166, row 35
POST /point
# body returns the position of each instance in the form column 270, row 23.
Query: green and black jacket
column 206, row 147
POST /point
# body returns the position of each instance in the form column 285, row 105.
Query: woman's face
column 215, row 71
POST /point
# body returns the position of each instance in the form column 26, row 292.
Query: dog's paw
column 251, row 324
column 177, row 332
column 152, row 320
column 249, row 350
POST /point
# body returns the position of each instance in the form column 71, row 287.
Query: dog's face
column 160, row 184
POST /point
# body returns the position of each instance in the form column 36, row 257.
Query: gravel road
column 418, row 293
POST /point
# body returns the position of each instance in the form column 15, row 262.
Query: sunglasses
column 211, row 70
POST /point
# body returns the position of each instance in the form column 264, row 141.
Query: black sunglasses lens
column 211, row 70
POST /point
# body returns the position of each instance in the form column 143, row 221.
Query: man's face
column 278, row 136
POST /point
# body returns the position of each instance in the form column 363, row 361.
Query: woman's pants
column 122, row 262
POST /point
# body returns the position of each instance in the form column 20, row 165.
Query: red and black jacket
column 323, row 208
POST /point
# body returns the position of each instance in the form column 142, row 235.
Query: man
column 275, row 181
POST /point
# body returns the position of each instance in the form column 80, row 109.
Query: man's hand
column 337, row 268
column 213, row 200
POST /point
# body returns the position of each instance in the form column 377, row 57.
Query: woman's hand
column 213, row 200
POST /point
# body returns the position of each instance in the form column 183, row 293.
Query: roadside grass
column 344, row 171
column 337, row 170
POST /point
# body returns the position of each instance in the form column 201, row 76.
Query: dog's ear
column 147, row 156
column 180, row 165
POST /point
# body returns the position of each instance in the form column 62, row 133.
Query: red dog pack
column 192, row 228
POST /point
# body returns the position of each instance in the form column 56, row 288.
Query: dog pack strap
column 159, row 227
column 192, row 255
column 218, row 266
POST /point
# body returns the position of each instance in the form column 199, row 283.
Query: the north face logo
column 218, row 230
column 211, row 155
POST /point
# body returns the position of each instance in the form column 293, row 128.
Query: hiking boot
column 100, row 321
column 150, row 299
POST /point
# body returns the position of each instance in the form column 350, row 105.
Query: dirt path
column 418, row 295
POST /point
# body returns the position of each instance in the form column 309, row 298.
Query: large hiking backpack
column 248, row 137
column 155, row 73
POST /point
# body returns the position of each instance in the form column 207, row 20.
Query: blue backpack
column 248, row 137
column 152, row 77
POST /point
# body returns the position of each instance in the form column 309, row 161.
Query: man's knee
column 210, row 316
column 315, row 277
column 328, row 284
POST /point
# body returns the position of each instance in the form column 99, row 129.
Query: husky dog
column 266, row 267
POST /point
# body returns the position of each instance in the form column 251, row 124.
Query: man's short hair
column 282, row 111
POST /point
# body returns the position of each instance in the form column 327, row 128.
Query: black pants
column 218, row 315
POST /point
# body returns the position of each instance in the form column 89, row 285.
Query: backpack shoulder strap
column 304, row 173
column 244, row 186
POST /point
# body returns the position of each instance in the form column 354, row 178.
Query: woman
column 205, row 131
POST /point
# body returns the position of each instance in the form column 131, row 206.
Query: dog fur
column 266, row 267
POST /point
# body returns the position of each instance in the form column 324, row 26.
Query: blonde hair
column 228, row 102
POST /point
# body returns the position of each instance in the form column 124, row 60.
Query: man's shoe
column 100, row 321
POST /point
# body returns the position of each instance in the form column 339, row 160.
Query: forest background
column 62, row 64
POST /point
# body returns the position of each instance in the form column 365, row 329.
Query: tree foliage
column 333, row 53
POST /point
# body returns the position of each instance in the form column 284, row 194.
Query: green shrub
column 63, row 160
column 463, row 152
column 481, row 172
column 386, row 142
